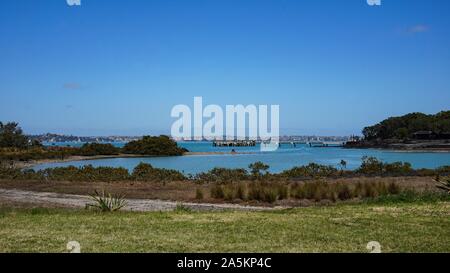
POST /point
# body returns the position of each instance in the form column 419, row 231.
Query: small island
column 415, row 131
column 17, row 149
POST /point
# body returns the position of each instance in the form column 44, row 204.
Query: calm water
column 284, row 158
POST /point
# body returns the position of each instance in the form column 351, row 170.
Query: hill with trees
column 408, row 127
column 411, row 131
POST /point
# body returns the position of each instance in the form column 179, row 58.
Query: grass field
column 423, row 227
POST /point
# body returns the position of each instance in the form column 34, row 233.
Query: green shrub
column 217, row 192
column 282, row 191
column 93, row 149
column 267, row 192
column 398, row 168
column 411, row 197
column 444, row 170
column 358, row 190
column 157, row 146
column 258, row 169
column 222, row 175
column 312, row 170
column 240, row 192
column 146, row 172
column 371, row 166
column 393, row 188
column 369, row 190
column 86, row 173
column 343, row 192
column 199, row 194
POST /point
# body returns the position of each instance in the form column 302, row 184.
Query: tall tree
column 11, row 135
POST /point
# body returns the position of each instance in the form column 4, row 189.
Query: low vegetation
column 15, row 146
column 146, row 172
column 443, row 184
column 257, row 172
column 142, row 172
column 317, row 191
column 256, row 184
column 106, row 202
column 93, row 149
column 222, row 175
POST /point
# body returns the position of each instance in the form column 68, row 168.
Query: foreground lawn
column 343, row 228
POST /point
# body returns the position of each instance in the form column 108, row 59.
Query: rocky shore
column 425, row 146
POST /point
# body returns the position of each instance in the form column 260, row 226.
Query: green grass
column 404, row 227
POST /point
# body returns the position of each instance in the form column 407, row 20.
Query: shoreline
column 33, row 163
column 400, row 150
column 439, row 146
column 404, row 150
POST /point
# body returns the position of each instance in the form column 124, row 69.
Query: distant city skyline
column 118, row 67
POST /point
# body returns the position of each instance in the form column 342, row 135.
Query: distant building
column 425, row 135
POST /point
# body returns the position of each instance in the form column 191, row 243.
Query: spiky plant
column 107, row 202
column 443, row 185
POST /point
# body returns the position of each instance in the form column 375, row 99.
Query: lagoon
column 287, row 156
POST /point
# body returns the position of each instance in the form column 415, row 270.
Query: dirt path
column 80, row 201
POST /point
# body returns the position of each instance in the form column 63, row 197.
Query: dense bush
column 320, row 190
column 258, row 169
column 142, row 172
column 267, row 192
column 373, row 166
column 93, row 149
column 251, row 191
column 40, row 152
column 146, row 172
column 86, row 173
column 270, row 192
column 158, row 146
column 217, row 192
column 311, row 170
column 222, row 175
column 199, row 194
column 37, row 153
column 410, row 197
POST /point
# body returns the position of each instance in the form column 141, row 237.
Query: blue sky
column 118, row 67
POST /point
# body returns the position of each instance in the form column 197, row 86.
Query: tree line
column 15, row 145
column 404, row 127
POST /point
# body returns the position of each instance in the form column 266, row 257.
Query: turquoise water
column 284, row 158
